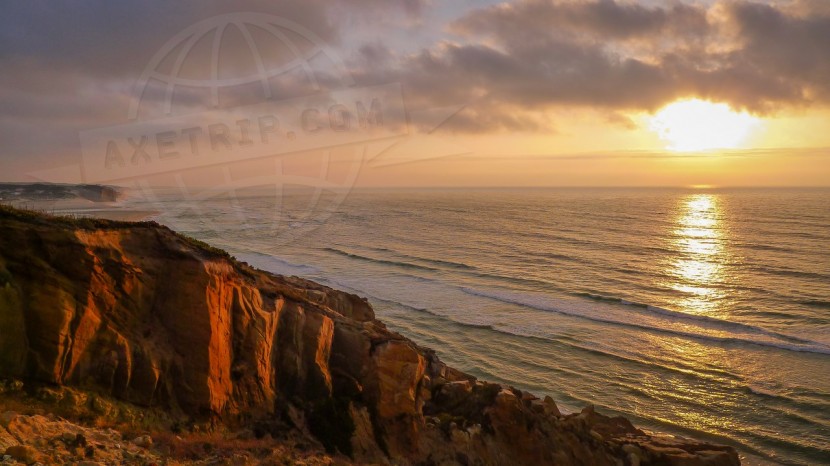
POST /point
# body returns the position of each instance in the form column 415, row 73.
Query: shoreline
column 657, row 427
column 399, row 419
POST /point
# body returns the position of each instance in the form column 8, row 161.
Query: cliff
column 142, row 314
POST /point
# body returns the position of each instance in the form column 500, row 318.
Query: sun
column 697, row 125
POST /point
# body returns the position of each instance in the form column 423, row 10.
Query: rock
column 102, row 407
column 527, row 396
column 630, row 448
column 7, row 417
column 400, row 369
column 6, row 439
column 75, row 400
column 23, row 453
column 50, row 395
column 550, row 407
column 587, row 413
column 144, row 441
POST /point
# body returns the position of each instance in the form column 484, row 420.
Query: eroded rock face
column 147, row 316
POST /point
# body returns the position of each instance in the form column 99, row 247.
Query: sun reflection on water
column 698, row 239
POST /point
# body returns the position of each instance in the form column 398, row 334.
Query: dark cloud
column 109, row 39
column 410, row 7
column 532, row 55
column 116, row 39
column 606, row 19
column 793, row 49
column 72, row 66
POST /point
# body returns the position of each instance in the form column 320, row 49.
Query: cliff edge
column 140, row 313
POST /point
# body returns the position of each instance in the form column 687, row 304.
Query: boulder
column 23, row 453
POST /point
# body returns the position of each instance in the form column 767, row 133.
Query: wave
column 470, row 271
column 767, row 247
column 788, row 343
column 801, row 233
column 697, row 318
column 411, row 307
column 719, row 377
column 455, row 265
column 779, row 340
column 442, row 262
column 352, row 255
column 765, row 392
column 276, row 265
column 680, row 368
column 787, row 272
column 815, row 303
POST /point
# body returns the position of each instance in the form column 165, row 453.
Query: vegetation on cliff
column 56, row 191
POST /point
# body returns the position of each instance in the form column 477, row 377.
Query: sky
column 470, row 93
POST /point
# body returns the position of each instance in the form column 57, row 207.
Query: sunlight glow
column 699, row 242
column 697, row 125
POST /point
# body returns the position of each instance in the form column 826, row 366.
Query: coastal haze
column 622, row 203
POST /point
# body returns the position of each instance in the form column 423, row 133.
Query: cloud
column 608, row 19
column 792, row 48
column 410, row 7
column 70, row 66
column 532, row 55
column 116, row 39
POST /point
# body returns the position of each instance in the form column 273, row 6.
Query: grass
column 76, row 221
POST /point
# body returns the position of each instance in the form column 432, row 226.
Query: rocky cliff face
column 145, row 315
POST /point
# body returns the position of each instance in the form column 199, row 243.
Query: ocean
column 700, row 312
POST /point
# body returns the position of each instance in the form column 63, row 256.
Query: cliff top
column 45, row 219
